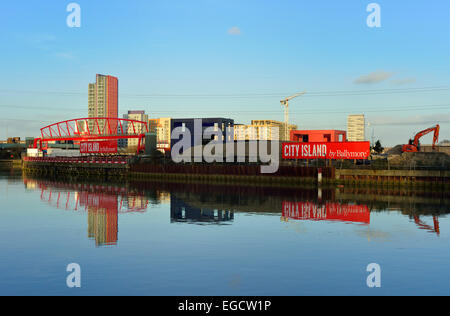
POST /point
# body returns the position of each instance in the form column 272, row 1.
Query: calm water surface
column 184, row 239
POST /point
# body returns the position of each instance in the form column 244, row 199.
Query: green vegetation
column 12, row 153
column 378, row 148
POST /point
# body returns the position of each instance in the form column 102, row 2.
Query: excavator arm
column 413, row 145
column 425, row 132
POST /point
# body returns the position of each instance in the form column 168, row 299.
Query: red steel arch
column 93, row 128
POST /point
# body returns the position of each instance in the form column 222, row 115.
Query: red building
column 103, row 100
column 307, row 136
column 112, row 96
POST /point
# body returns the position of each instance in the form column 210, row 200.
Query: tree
column 378, row 148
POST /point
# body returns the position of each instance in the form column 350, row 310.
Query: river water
column 144, row 238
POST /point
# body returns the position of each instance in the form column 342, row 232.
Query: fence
column 79, row 160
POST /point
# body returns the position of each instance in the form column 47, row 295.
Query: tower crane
column 285, row 103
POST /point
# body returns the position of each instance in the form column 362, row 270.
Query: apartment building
column 161, row 126
column 103, row 98
column 356, row 128
column 135, row 127
column 261, row 130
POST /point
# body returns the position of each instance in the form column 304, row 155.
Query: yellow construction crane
column 285, row 103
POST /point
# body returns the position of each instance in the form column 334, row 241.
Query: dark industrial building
column 188, row 123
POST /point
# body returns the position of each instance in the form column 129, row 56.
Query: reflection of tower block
column 103, row 226
column 102, row 218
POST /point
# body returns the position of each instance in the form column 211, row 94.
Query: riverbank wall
column 238, row 174
column 10, row 164
column 291, row 175
column 85, row 167
column 393, row 177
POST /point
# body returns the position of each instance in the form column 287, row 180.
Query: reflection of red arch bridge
column 93, row 129
column 78, row 196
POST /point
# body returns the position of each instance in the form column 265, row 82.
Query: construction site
column 413, row 155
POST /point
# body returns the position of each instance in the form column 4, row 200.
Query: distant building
column 103, row 100
column 161, row 126
column 306, row 136
column 13, row 140
column 188, row 123
column 256, row 132
column 153, row 125
column 356, row 126
column 269, row 125
column 123, row 142
column 135, row 127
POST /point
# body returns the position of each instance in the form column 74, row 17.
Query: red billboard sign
column 328, row 211
column 99, row 147
column 332, row 150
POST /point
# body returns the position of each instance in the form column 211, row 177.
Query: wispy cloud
column 48, row 44
column 234, row 31
column 65, row 55
column 40, row 38
column 42, row 41
column 412, row 120
column 400, row 82
column 374, row 77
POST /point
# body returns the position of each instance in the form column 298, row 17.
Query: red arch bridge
column 93, row 129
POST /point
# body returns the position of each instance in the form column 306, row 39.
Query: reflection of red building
column 328, row 211
column 102, row 217
column 311, row 136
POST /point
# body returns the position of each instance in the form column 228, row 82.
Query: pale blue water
column 128, row 242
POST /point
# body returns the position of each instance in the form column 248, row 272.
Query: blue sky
column 230, row 58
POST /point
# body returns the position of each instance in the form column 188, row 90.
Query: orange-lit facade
column 103, row 98
column 112, row 96
column 311, row 136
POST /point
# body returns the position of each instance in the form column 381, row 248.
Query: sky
column 231, row 58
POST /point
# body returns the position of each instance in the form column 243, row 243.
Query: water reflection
column 432, row 229
column 218, row 205
column 102, row 203
column 165, row 231
column 182, row 212
column 327, row 211
column 103, row 224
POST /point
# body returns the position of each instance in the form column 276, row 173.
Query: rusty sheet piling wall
column 232, row 173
